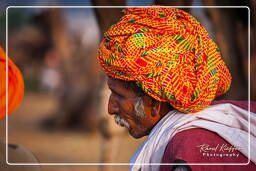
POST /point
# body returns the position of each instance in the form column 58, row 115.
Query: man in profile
column 164, row 72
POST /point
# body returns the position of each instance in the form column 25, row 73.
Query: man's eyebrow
column 111, row 86
column 113, row 90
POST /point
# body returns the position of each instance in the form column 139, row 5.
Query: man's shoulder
column 199, row 145
column 194, row 136
column 187, row 144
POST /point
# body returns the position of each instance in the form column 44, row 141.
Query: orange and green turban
column 15, row 85
column 169, row 54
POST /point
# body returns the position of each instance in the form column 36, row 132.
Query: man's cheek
column 127, row 106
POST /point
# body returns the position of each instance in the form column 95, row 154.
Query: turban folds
column 15, row 85
column 169, row 54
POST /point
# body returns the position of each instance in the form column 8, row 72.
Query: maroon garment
column 242, row 104
column 185, row 146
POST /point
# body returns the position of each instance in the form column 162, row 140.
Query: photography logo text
column 219, row 150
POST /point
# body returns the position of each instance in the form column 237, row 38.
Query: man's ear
column 156, row 108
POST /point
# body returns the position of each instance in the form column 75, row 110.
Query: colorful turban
column 15, row 85
column 169, row 54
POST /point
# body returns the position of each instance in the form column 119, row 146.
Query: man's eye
column 118, row 94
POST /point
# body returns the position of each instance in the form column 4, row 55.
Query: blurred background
column 63, row 117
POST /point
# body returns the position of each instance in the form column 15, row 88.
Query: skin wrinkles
column 142, row 118
column 139, row 111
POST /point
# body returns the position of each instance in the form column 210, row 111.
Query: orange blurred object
column 15, row 85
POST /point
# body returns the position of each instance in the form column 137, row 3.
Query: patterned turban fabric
column 15, row 85
column 169, row 54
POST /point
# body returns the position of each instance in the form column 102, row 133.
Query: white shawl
column 227, row 120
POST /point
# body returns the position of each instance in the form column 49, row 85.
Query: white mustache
column 120, row 121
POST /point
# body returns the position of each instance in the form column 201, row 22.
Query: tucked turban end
column 15, row 85
column 170, row 56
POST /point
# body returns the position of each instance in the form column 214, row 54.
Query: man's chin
column 135, row 134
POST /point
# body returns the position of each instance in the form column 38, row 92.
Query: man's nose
column 112, row 105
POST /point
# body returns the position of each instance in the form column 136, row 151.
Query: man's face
column 122, row 104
